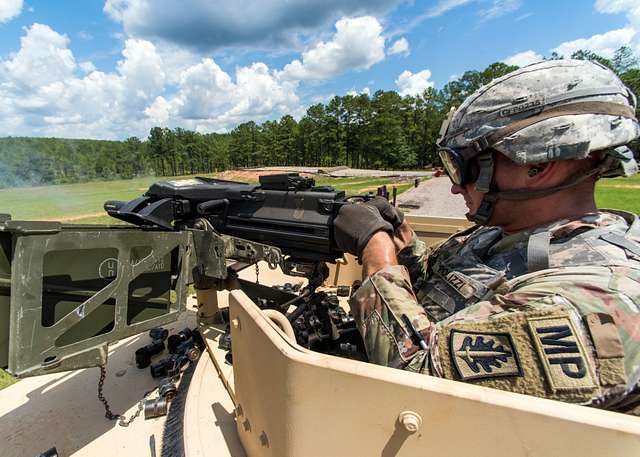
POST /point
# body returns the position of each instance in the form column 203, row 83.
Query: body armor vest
column 470, row 266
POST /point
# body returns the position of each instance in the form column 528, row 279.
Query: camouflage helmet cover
column 552, row 110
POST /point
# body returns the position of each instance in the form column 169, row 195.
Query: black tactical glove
column 388, row 212
column 356, row 224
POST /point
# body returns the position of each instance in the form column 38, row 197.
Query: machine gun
column 285, row 220
column 286, row 211
column 67, row 290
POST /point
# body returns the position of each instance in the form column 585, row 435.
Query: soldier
column 542, row 297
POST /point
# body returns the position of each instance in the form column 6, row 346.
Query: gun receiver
column 286, row 211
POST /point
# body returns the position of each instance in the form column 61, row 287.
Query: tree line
column 383, row 130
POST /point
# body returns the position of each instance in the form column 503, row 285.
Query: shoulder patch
column 483, row 355
column 561, row 353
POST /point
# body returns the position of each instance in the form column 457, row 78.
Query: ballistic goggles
column 461, row 164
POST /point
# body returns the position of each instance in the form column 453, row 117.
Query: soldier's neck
column 530, row 214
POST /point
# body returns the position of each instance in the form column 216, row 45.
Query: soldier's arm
column 563, row 335
column 386, row 295
column 379, row 252
column 411, row 251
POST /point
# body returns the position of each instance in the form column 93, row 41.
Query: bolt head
column 410, row 420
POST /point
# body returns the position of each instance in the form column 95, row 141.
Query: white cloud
column 206, row 25
column 87, row 66
column 44, row 95
column 629, row 7
column 496, row 9
column 523, row 59
column 400, row 46
column 604, row 44
column 522, row 17
column 357, row 44
column 43, row 58
column 9, row 9
column 500, row 8
column 158, row 112
column 414, row 83
column 45, row 92
column 365, row 91
column 445, row 5
column 210, row 97
column 85, row 35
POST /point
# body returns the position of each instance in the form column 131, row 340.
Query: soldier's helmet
column 552, row 110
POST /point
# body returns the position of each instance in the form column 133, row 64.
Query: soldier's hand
column 356, row 224
column 388, row 212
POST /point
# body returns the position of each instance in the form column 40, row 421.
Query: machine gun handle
column 113, row 205
column 212, row 206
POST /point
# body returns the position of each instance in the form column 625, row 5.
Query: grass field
column 620, row 193
column 5, row 379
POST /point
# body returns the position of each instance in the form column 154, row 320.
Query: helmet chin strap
column 484, row 212
column 486, row 184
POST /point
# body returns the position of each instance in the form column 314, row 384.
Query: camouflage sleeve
column 571, row 335
column 413, row 257
column 378, row 306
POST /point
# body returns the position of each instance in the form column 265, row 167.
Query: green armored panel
column 71, row 276
column 5, row 296
column 68, row 291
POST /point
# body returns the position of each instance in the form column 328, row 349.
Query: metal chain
column 107, row 409
column 123, row 422
column 257, row 273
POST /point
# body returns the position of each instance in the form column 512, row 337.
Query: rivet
column 410, row 421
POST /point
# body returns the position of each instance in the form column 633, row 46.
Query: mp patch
column 562, row 354
column 483, row 355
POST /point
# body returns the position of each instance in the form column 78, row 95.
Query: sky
column 112, row 69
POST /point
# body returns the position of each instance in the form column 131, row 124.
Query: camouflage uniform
column 552, row 312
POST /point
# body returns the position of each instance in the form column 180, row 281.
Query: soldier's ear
column 535, row 170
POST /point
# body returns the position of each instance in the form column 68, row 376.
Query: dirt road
column 433, row 198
